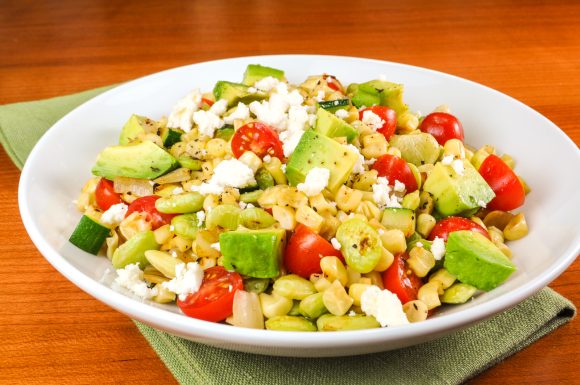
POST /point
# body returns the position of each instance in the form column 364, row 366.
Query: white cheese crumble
column 215, row 246
column 319, row 96
column 207, row 121
column 228, row 173
column 182, row 113
column 458, row 166
column 244, row 205
column 290, row 141
column 177, row 190
column 200, row 217
column 219, row 107
column 370, row 161
column 384, row 306
column 171, row 228
column 382, row 194
column 419, row 244
column 335, row 243
column 241, row 112
column 267, row 158
column 131, row 277
column 316, row 181
column 188, row 278
column 481, row 203
column 115, row 214
column 447, row 160
column 372, row 120
column 283, row 168
column 343, row 114
column 438, row 248
column 358, row 167
column 399, row 186
column 266, row 84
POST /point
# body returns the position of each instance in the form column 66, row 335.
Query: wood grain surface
column 53, row 333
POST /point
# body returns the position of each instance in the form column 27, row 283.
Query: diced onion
column 139, row 187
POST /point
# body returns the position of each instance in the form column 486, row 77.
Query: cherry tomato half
column 304, row 251
column 147, row 205
column 509, row 191
column 442, row 126
column 215, row 298
column 394, row 168
column 259, row 138
column 332, row 82
column 451, row 224
column 401, row 280
column 388, row 115
column 105, row 194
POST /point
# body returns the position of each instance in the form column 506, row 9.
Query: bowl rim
column 182, row 325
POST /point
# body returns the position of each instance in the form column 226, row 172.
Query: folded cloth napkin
column 451, row 359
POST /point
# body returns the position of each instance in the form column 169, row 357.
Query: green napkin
column 450, row 360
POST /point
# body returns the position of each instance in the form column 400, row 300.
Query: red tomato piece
column 451, row 224
column 442, row 126
column 509, row 191
column 394, row 168
column 259, row 138
column 385, row 113
column 105, row 194
column 304, row 251
column 209, row 102
column 147, row 205
column 401, row 280
column 332, row 82
column 215, row 298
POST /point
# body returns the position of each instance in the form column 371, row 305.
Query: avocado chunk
column 255, row 72
column 455, row 193
column 458, row 293
column 144, row 160
column 363, row 95
column 476, row 261
column 170, row 136
column 391, row 95
column 255, row 253
column 235, row 92
column 135, row 126
column 317, row 150
column 417, row 149
column 332, row 126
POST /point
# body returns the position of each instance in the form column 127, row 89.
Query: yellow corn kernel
column 285, row 216
column 454, row 147
column 216, row 148
column 411, row 201
column 207, row 169
column 163, row 295
column 163, row 262
column 376, row 278
column 394, row 240
column 444, row 277
column 321, row 284
column 275, row 305
column 516, row 228
column 429, row 294
column 206, row 263
column 374, row 145
column 112, row 244
column 179, row 243
column 309, row 218
column 321, row 205
column 290, row 196
column 505, row 249
column 334, row 270
column 365, row 280
column 386, row 260
column 347, row 199
column 365, row 181
column 416, row 311
column 478, row 221
column 421, row 261
column 329, row 226
column 210, row 202
column 496, row 235
column 408, row 121
column 162, row 234
column 394, row 151
column 133, row 224
column 336, row 300
column 203, row 241
column 369, row 210
column 442, row 108
column 251, row 160
column 353, row 276
column 274, row 167
column 425, row 203
column 355, row 292
column 498, row 218
column 425, row 223
column 508, row 160
column 230, row 196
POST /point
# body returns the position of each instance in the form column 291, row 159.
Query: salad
column 302, row 207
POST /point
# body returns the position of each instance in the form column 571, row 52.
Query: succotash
column 302, row 207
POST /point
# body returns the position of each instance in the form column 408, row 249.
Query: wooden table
column 53, row 333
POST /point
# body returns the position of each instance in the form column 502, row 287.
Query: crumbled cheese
column 215, row 246
column 290, row 141
column 177, row 190
column 370, row 161
column 319, row 96
column 182, row 113
column 458, row 166
column 244, row 205
column 382, row 194
column 438, row 248
column 447, row 160
column 266, row 84
column 131, row 277
column 372, row 120
column 351, row 313
column 343, row 114
column 270, row 113
column 241, row 112
column 171, row 228
column 419, row 244
column 359, row 164
column 384, row 306
column 188, row 278
column 316, row 181
column 115, row 214
column 399, row 186
column 283, row 168
column 481, row 203
column 252, row 90
column 173, row 253
column 228, row 173
column 207, row 122
column 200, row 217
column 335, row 243
column 267, row 158
column 219, row 107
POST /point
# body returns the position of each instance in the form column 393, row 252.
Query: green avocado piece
column 317, row 150
column 135, row 126
column 391, row 95
column 144, row 160
column 255, row 72
column 235, row 92
column 363, row 95
column 454, row 193
column 458, row 293
column 332, row 126
column 476, row 261
column 254, row 253
column 417, row 149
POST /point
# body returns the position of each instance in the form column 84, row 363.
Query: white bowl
column 61, row 161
